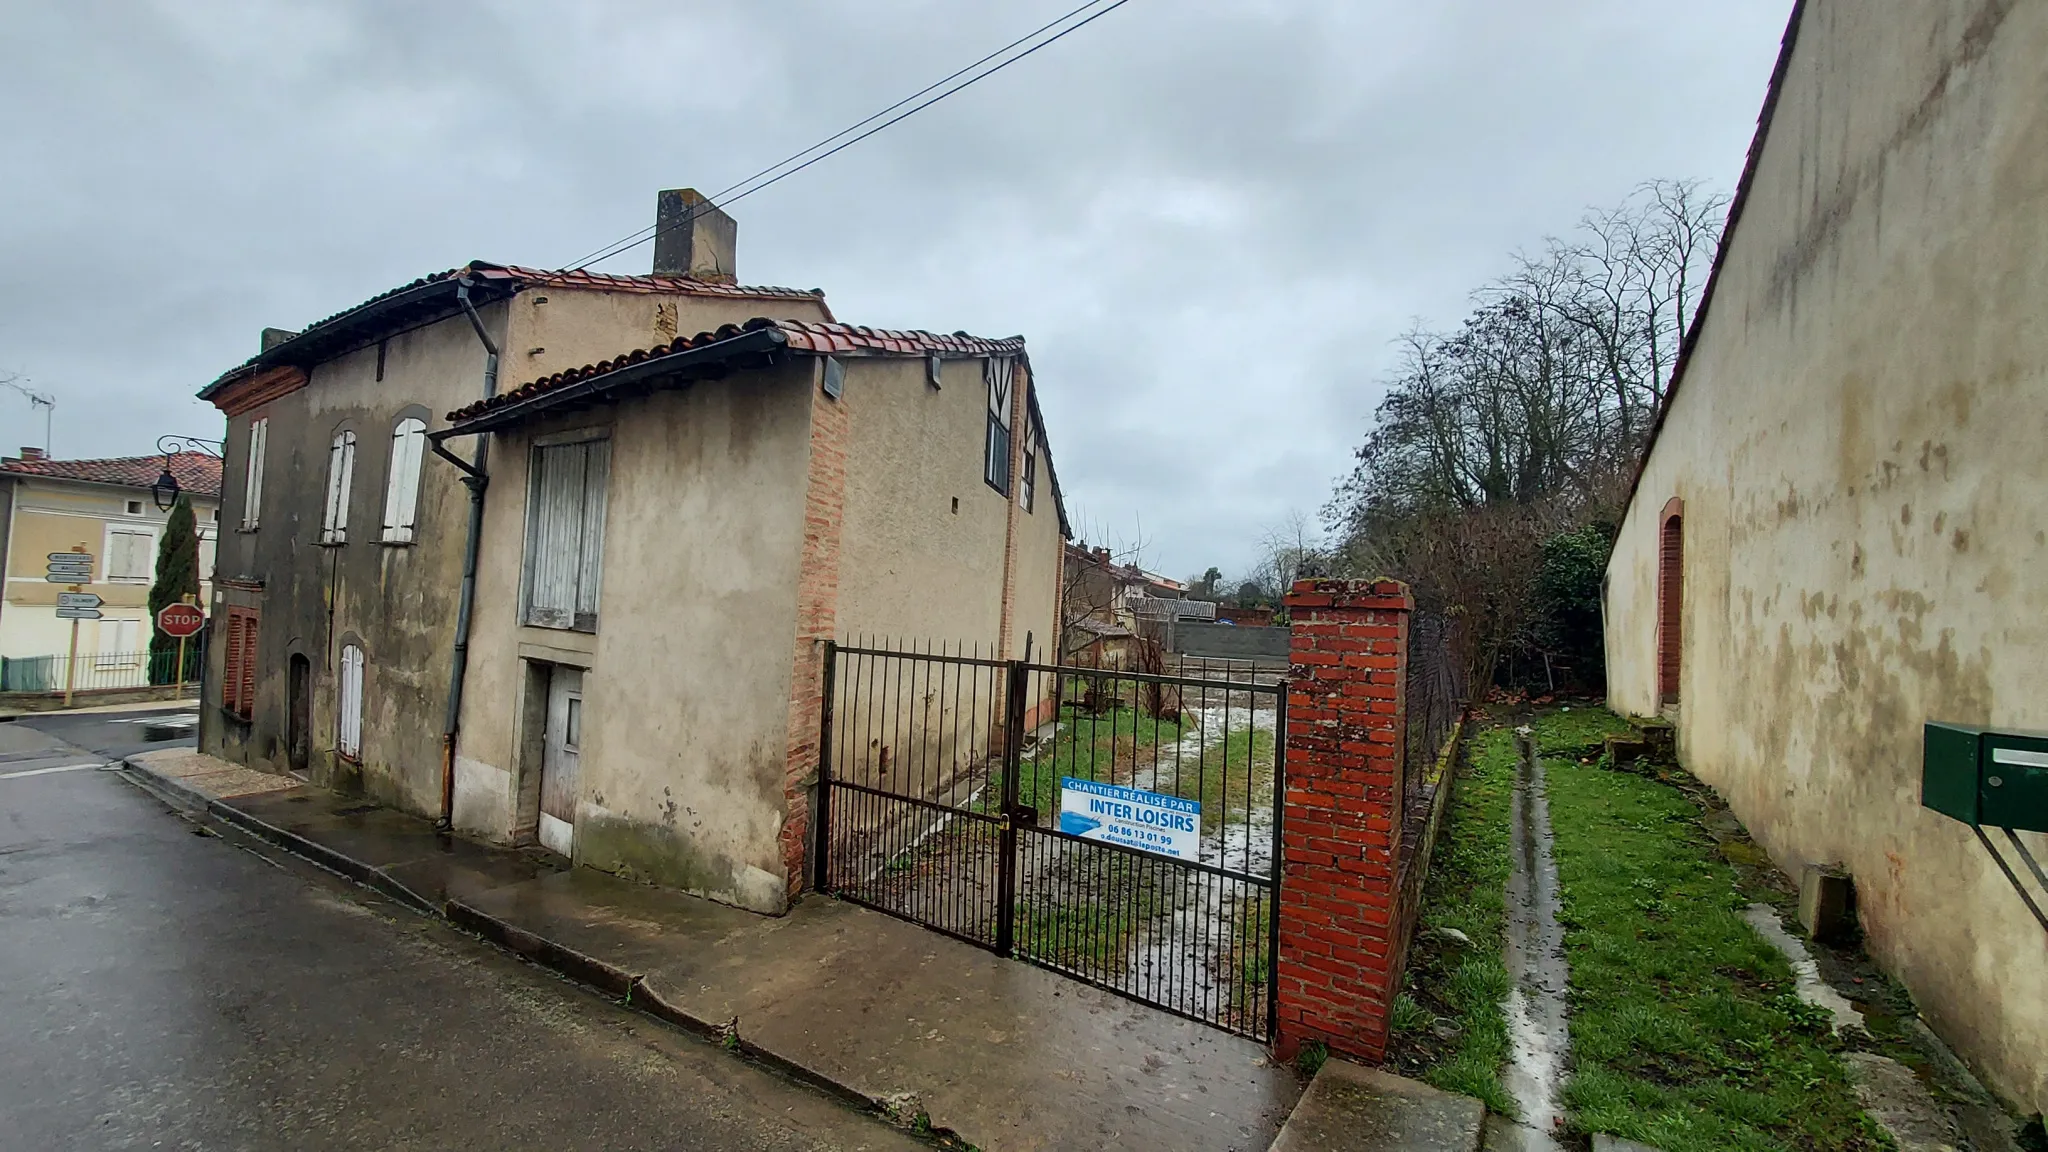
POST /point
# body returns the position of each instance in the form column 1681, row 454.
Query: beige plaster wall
column 686, row 693
column 54, row 516
column 1858, row 444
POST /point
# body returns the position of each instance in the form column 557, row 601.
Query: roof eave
column 415, row 306
column 671, row 370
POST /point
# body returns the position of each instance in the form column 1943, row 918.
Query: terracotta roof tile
column 800, row 335
column 196, row 472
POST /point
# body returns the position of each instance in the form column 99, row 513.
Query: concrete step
column 1351, row 1108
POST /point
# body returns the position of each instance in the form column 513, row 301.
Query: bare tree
column 1526, row 420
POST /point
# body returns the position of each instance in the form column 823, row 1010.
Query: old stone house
column 686, row 486
column 1836, row 536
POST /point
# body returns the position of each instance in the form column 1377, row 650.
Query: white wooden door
column 560, row 760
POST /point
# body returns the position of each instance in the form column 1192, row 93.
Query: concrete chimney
column 693, row 237
column 28, row 453
column 272, row 337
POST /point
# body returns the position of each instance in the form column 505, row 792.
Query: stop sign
column 180, row 620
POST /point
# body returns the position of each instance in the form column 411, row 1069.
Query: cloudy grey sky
column 1209, row 217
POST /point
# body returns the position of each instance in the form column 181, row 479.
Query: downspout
column 476, row 479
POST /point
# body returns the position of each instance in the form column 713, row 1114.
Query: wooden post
column 180, row 692
column 71, row 664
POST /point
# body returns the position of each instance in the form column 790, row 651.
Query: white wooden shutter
column 349, row 728
column 590, row 567
column 341, row 464
column 402, row 490
column 252, row 491
column 565, row 535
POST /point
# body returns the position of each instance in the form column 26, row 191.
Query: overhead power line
column 838, row 141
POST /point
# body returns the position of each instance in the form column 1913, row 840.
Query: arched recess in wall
column 1670, row 599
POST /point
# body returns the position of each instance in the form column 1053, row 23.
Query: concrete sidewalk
column 995, row 1052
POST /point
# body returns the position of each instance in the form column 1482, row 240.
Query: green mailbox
column 1985, row 776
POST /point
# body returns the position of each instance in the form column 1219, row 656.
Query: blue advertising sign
column 1148, row 821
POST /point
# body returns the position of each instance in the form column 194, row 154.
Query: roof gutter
column 476, row 479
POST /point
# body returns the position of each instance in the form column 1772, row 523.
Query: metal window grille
column 402, row 490
column 565, row 534
column 341, row 466
column 349, row 729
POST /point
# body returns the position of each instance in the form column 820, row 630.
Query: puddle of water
column 1538, row 1034
column 1811, row 988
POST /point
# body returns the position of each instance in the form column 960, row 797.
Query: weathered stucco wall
column 687, row 676
column 1857, row 443
column 396, row 600
column 912, row 568
column 399, row 601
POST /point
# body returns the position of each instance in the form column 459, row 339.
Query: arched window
column 402, row 489
column 341, row 467
column 1670, row 601
column 348, row 738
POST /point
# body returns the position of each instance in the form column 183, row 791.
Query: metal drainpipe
column 476, row 479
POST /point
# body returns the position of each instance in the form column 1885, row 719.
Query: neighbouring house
column 1837, row 533
column 685, row 489
column 1096, row 587
column 105, row 508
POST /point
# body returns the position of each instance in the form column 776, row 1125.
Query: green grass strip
column 1466, row 890
column 1685, row 1031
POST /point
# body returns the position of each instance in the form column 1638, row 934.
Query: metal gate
column 941, row 778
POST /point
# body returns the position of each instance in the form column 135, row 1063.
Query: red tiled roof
column 196, row 472
column 798, row 335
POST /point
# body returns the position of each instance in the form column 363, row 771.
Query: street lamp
column 165, row 490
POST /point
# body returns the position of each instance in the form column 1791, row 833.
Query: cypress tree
column 177, row 576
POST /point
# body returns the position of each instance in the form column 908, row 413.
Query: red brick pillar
column 1341, row 824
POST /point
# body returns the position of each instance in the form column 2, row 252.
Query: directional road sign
column 78, row 600
column 78, row 613
column 69, row 568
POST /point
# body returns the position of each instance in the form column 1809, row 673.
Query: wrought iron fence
column 1439, row 687
column 101, row 671
column 946, row 773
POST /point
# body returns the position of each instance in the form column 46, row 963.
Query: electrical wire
column 755, row 183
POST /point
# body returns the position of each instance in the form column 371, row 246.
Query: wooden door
column 299, row 715
column 561, row 759
column 1670, row 608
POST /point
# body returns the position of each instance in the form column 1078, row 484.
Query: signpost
column 182, row 621
column 73, row 568
column 1147, row 821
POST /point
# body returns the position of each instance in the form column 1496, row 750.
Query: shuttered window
column 252, row 490
column 341, row 467
column 238, row 670
column 402, row 490
column 1670, row 608
column 349, row 704
column 130, row 555
column 996, row 461
column 565, row 534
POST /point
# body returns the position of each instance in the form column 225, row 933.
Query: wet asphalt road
column 161, row 986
